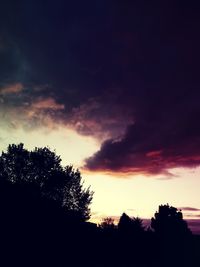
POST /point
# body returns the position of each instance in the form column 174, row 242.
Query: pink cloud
column 11, row 89
column 45, row 104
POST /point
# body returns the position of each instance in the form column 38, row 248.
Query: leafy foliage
column 42, row 168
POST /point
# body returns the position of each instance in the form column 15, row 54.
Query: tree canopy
column 168, row 221
column 42, row 168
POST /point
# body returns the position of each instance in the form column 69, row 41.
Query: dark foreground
column 34, row 231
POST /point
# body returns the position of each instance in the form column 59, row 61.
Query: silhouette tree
column 138, row 225
column 130, row 225
column 173, row 237
column 168, row 221
column 131, row 234
column 42, row 169
column 125, row 222
column 107, row 223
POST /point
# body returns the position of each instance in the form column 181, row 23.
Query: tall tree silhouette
column 42, row 168
column 173, row 237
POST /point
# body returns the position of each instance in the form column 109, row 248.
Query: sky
column 113, row 88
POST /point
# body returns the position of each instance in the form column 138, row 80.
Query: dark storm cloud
column 126, row 72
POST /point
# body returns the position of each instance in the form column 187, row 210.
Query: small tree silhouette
column 42, row 169
column 130, row 225
column 125, row 222
column 107, row 223
column 138, row 225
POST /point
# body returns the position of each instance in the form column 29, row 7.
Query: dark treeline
column 43, row 221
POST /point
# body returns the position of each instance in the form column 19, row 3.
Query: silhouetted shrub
column 107, row 223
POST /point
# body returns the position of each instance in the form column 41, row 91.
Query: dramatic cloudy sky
column 114, row 87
